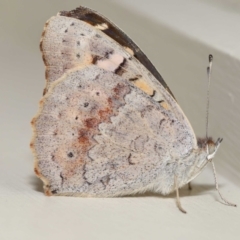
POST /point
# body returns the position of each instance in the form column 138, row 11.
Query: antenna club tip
column 210, row 58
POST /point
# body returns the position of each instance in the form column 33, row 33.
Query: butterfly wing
column 97, row 134
column 129, row 137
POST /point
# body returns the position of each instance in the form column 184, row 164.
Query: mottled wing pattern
column 109, row 28
column 96, row 134
column 68, row 42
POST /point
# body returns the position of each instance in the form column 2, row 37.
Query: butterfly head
column 210, row 146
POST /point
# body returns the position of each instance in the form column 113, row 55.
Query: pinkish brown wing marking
column 98, row 135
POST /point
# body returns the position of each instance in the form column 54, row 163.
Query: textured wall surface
column 177, row 36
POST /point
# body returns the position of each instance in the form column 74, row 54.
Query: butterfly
column 108, row 125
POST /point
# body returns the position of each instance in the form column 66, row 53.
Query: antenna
column 217, row 144
column 209, row 71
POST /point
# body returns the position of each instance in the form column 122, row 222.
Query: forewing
column 68, row 42
column 109, row 28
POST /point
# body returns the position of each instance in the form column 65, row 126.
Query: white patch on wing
column 102, row 26
column 112, row 63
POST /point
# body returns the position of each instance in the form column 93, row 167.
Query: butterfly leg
column 177, row 195
column 210, row 158
column 216, row 186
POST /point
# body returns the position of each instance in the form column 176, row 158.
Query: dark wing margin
column 94, row 18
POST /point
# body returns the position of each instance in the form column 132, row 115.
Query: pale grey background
column 177, row 35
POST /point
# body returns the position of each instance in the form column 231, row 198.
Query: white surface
column 25, row 213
